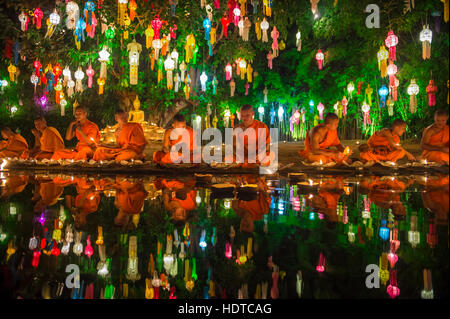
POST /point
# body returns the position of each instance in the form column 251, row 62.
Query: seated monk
column 327, row 200
column 247, row 136
column 47, row 193
column 435, row 139
column 320, row 138
column 130, row 139
column 384, row 145
column 87, row 134
column 253, row 210
column 129, row 200
column 178, row 136
column 14, row 144
column 47, row 140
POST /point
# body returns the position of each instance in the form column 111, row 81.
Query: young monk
column 170, row 141
column 14, row 144
column 435, row 139
column 248, row 133
column 320, row 138
column 87, row 134
column 384, row 145
column 130, row 141
column 129, row 200
column 47, row 140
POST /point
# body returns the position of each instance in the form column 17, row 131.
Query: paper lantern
column 228, row 72
column 156, row 25
column 187, row 88
column 243, row 68
column 225, row 23
column 214, row 84
column 183, row 70
column 413, row 234
column 446, row 5
column 134, row 49
column 63, row 104
column 319, row 58
column 58, row 89
column 413, row 90
column 78, row 246
column 169, row 66
column 24, row 20
column 241, row 27
column 280, row 113
column 350, row 89
column 321, row 265
column 177, row 82
column 427, row 292
column 426, row 36
column 320, row 108
column 384, row 231
column 88, row 250
column 236, row 14
column 73, row 13
column 67, row 75
column 132, row 5
column 207, row 27
column 264, row 28
column 431, row 91
column 390, row 104
column 189, row 47
column 157, row 45
column 90, row 73
column 393, row 289
column 70, row 87
column 232, row 87
column 149, row 34
column 383, row 92
column 391, row 42
column 274, row 35
column 79, row 32
column 270, row 60
column 12, row 72
column 247, row 26
column 35, row 260
column 267, row 9
column 79, row 75
column 38, row 14
column 203, row 79
column 382, row 56
column 391, row 71
column 265, row 92
column 122, row 11
column 368, row 95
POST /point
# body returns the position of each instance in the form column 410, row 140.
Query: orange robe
column 14, row 147
column 256, row 208
column 50, row 192
column 82, row 151
column 51, row 141
column 259, row 128
column 132, row 143
column 161, row 157
column 381, row 150
column 14, row 184
column 331, row 139
column 386, row 194
column 131, row 200
column 439, row 139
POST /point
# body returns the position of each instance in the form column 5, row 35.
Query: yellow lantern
column 122, row 11
column 149, row 34
column 12, row 72
column 134, row 50
column 382, row 56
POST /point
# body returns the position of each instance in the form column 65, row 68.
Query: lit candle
column 309, row 187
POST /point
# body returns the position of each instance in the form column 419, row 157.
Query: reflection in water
column 223, row 236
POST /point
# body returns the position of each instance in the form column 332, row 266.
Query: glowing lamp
column 382, row 56
column 54, row 18
column 413, row 90
column 169, row 66
column 202, row 242
column 391, row 41
column 88, row 250
column 228, row 252
column 384, row 231
column 393, row 258
column 157, row 45
column 203, row 79
column 393, row 289
column 243, row 67
column 320, row 108
column 426, row 36
column 350, row 89
column 383, row 92
column 366, row 109
column 264, row 28
column 319, row 58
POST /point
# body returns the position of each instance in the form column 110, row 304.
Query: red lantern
column 319, row 58
column 391, row 71
column 431, row 90
column 35, row 261
column 391, row 42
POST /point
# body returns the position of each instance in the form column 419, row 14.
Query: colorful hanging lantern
column 134, row 49
column 90, row 73
column 157, row 45
column 264, row 28
column 393, row 289
column 58, row 90
column 214, row 84
column 187, row 88
column 270, row 60
column 149, row 34
column 169, row 66
column 79, row 32
column 390, row 104
column 203, row 79
column 413, row 90
column 67, row 75
column 73, row 14
column 122, row 11
column 228, row 72
column 366, row 109
column 132, row 5
column 319, row 58
column 38, row 14
column 426, row 35
column 320, row 108
column 431, row 91
column 382, row 56
column 79, row 75
column 52, row 22
column 189, row 47
column 225, row 23
column 344, row 103
column 446, row 6
column 12, row 72
column 104, row 59
column 243, row 68
column 368, row 94
column 384, row 231
column 232, row 87
column 350, row 89
column 24, row 20
column 391, row 41
column 101, row 83
column 321, row 265
column 298, row 38
column 207, row 27
column 391, row 71
column 383, row 92
column 156, row 25
column 70, row 87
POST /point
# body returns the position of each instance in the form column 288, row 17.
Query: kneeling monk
column 435, row 139
column 175, row 137
column 14, row 144
column 130, row 139
column 87, row 134
column 320, row 138
column 384, row 145
column 47, row 140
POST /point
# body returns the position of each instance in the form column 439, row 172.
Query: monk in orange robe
column 129, row 200
column 47, row 140
column 320, row 138
column 384, row 145
column 14, row 184
column 46, row 193
column 87, row 134
column 14, row 144
column 247, row 136
column 435, row 139
column 435, row 197
column 327, row 199
column 130, row 139
column 253, row 210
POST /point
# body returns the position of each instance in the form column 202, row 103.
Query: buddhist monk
column 87, row 134
column 435, row 139
column 14, row 184
column 247, row 136
column 130, row 141
column 253, row 210
column 14, row 144
column 384, row 145
column 175, row 138
column 46, row 193
column 129, row 200
column 435, row 197
column 47, row 140
column 327, row 199
column 320, row 139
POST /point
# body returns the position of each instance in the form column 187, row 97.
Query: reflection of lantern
column 383, row 56
column 383, row 92
column 413, row 90
column 320, row 108
column 319, row 58
column 413, row 234
column 321, row 265
column 391, row 41
column 426, row 36
column 384, row 231
column 393, row 289
column 431, row 91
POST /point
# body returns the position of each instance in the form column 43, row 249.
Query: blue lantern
column 311, row 106
column 384, row 231
column 207, row 26
column 383, row 92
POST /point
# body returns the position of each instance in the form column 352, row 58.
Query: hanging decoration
column 90, row 73
column 79, row 75
column 73, row 14
column 391, row 71
column 431, row 91
column 103, row 59
column 122, row 11
column 187, row 88
column 319, row 58
column 79, row 32
column 366, row 109
column 38, row 14
column 391, row 41
column 320, row 108
column 413, row 90
column 24, row 20
column 270, row 60
column 225, row 23
column 275, row 34
column 383, row 56
column 368, row 95
column 203, row 79
column 169, row 66
column 264, row 28
column 12, row 70
column 149, row 34
column 350, row 89
column 232, row 87
column 383, row 92
column 134, row 49
column 344, row 103
column 426, row 35
column 207, row 27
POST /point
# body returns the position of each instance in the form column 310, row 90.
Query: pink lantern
column 228, row 252
column 156, row 25
column 391, row 42
column 172, row 31
column 237, row 14
column 344, row 106
column 391, row 71
column 247, row 86
column 228, row 72
column 321, row 266
column 392, row 257
column 366, row 110
column 392, row 289
column 217, row 4
column 90, row 73
column 269, row 60
column 319, row 58
column 431, row 90
column 38, row 14
column 320, row 108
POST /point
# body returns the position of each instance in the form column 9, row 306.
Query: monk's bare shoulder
column 318, row 130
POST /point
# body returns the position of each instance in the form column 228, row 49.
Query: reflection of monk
column 384, row 145
column 327, row 199
column 46, row 193
column 87, row 135
column 435, row 139
column 14, row 144
column 47, row 140
column 185, row 136
column 179, row 198
column 129, row 200
column 130, row 138
column 254, row 210
column 14, row 184
column 435, row 197
column 320, row 139
column 385, row 192
column 86, row 202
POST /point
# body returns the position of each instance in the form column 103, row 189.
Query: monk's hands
column 410, row 156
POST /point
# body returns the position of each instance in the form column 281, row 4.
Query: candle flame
column 310, row 182
column 3, row 164
column 321, row 162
